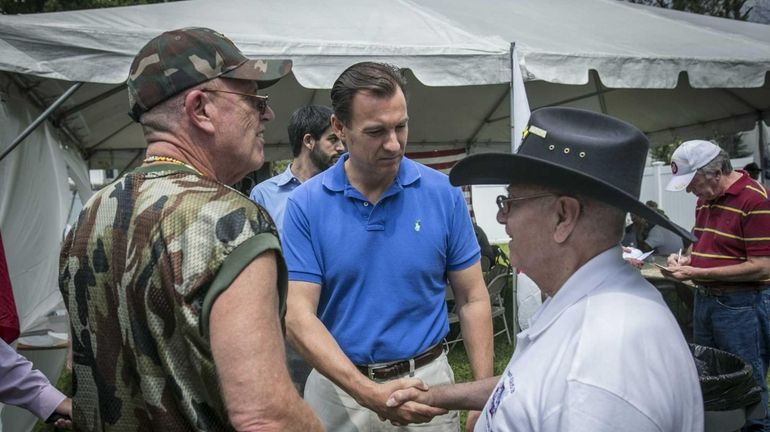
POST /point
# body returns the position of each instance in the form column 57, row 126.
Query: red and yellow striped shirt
column 732, row 227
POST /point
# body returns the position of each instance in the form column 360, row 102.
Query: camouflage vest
column 139, row 273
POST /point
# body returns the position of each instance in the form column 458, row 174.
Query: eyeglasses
column 504, row 202
column 260, row 101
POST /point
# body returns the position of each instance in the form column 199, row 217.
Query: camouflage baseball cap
column 179, row 59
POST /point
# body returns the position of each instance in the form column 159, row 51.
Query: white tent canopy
column 97, row 46
column 673, row 74
column 322, row 39
column 629, row 45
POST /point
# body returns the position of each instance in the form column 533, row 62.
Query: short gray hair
column 720, row 163
column 165, row 117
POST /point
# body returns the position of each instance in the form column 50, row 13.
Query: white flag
column 519, row 103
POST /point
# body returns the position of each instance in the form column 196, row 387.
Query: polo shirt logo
column 504, row 389
column 417, row 225
column 496, row 399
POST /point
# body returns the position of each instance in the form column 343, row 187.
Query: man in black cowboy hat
column 603, row 353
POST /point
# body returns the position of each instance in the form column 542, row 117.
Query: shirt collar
column 285, row 177
column 739, row 184
column 586, row 279
column 336, row 180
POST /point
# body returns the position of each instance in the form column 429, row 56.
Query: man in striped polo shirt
column 730, row 261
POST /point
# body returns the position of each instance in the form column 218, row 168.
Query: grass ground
column 503, row 350
column 459, row 361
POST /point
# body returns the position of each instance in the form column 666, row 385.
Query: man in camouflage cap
column 175, row 282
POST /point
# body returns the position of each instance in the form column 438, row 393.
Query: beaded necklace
column 151, row 159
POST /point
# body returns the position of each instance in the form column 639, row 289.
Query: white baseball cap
column 687, row 159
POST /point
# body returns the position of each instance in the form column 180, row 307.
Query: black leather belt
column 713, row 291
column 391, row 370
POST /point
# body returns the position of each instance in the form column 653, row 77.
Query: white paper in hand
column 635, row 253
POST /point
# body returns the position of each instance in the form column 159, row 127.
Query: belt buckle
column 370, row 372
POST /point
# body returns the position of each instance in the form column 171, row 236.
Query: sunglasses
column 259, row 101
column 504, row 202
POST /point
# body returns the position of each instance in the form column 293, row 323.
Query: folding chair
column 495, row 288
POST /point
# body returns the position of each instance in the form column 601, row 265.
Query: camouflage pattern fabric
column 179, row 59
column 139, row 273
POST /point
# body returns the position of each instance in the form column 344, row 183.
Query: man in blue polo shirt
column 370, row 244
column 315, row 148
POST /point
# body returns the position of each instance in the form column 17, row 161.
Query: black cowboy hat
column 574, row 151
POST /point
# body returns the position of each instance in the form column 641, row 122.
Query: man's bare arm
column 464, row 396
column 248, row 349
column 754, row 269
column 312, row 340
column 474, row 310
column 475, row 313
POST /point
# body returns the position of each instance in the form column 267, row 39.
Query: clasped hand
column 424, row 398
column 404, row 413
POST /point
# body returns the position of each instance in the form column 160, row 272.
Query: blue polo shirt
column 272, row 194
column 382, row 268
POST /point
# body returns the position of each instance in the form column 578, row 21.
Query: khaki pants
column 340, row 413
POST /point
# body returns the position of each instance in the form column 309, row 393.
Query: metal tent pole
column 514, row 278
column 19, row 139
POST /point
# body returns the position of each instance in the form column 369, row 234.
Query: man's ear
column 338, row 127
column 308, row 141
column 199, row 109
column 567, row 214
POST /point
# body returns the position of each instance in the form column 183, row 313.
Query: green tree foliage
column 37, row 6
column 734, row 9
column 663, row 152
column 731, row 143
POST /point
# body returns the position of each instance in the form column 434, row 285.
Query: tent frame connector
column 91, row 150
column 40, row 102
column 599, row 90
column 487, row 120
column 755, row 116
column 40, row 119
column 745, row 103
column 85, row 104
column 580, row 97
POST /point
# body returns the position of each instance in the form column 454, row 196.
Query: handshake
column 402, row 401
column 410, row 400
